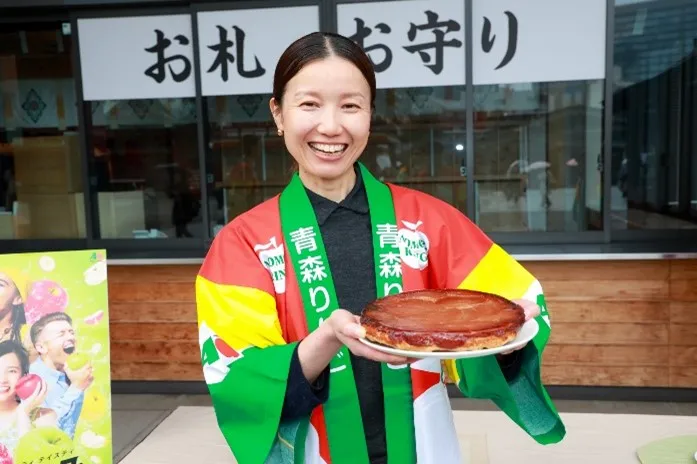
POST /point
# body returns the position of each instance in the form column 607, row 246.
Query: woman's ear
column 276, row 113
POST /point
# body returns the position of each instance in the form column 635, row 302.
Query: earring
column 280, row 132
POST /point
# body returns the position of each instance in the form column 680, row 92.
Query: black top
column 346, row 232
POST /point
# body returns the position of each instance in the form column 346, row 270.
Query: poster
column 55, row 385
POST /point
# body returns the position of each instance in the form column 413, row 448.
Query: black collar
column 356, row 200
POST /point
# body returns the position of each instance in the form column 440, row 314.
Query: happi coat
column 251, row 317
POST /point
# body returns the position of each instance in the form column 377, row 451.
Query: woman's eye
column 309, row 104
column 351, row 106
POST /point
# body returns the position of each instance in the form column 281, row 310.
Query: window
column 248, row 160
column 418, row 140
column 538, row 101
column 166, row 127
column 141, row 126
column 654, row 150
column 144, row 168
column 41, row 191
column 537, row 156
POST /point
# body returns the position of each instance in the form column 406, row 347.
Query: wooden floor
column 614, row 323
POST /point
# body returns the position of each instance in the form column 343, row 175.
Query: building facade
column 565, row 129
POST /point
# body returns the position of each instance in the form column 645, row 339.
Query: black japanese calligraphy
column 438, row 45
column 362, row 32
column 224, row 57
column 488, row 39
column 158, row 71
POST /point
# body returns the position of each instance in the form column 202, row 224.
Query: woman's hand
column 26, row 408
column 318, row 349
column 347, row 330
column 531, row 310
column 36, row 398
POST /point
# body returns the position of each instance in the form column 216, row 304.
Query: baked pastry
column 442, row 320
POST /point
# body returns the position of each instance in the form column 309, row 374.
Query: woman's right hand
column 35, row 399
column 316, row 351
column 347, row 330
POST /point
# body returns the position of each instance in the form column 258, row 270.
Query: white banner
column 412, row 43
column 239, row 49
column 538, row 40
column 136, row 57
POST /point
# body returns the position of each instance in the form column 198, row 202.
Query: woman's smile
column 329, row 151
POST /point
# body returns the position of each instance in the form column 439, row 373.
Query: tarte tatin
column 442, row 320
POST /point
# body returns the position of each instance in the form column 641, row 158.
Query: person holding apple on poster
column 19, row 417
column 67, row 373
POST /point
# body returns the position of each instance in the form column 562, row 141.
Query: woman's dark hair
column 18, row 320
column 8, row 347
column 317, row 46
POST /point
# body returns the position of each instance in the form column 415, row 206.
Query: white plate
column 525, row 334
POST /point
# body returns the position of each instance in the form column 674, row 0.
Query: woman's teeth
column 4, row 390
column 329, row 149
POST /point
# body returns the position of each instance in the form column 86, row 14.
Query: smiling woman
column 323, row 109
column 281, row 291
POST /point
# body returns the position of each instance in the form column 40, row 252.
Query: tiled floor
column 136, row 416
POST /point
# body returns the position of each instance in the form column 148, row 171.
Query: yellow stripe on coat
column 498, row 273
column 242, row 316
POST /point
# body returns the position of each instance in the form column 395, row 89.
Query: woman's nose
column 329, row 124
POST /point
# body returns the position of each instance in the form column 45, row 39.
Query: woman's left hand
column 531, row 310
column 35, row 400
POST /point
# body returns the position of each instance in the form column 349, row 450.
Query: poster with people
column 55, row 395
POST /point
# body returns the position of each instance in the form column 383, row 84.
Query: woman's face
column 10, row 372
column 325, row 117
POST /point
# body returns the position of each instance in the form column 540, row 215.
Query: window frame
column 149, row 249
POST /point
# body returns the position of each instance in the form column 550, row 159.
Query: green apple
column 77, row 361
column 45, row 445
